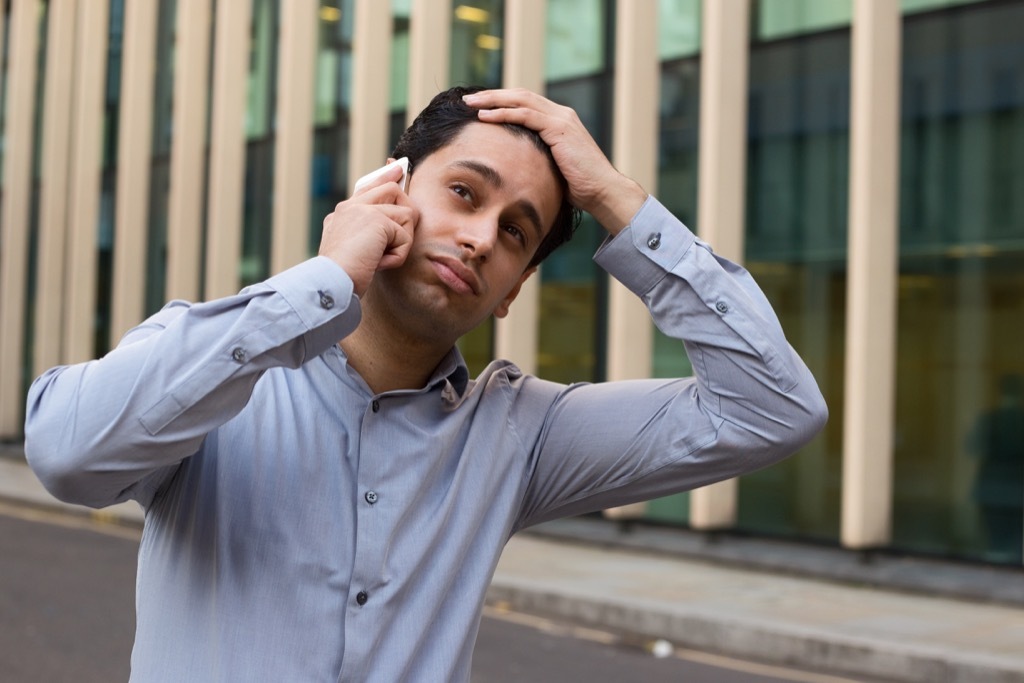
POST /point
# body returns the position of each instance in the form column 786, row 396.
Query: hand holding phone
column 370, row 177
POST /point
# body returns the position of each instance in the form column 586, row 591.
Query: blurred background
column 864, row 160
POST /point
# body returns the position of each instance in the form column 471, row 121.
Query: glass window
column 959, row 448
column 573, row 296
column 796, row 217
column 678, row 28
column 333, row 96
column 259, row 154
column 160, row 172
column 783, row 18
column 477, row 33
column 108, row 174
column 575, row 39
column 401, row 9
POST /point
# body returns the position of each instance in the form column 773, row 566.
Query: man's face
column 486, row 202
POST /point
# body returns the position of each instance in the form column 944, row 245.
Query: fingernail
column 470, row 98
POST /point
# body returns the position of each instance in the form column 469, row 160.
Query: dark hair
column 444, row 118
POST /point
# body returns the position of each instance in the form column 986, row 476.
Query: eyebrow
column 493, row 178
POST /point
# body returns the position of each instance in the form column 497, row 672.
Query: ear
column 502, row 309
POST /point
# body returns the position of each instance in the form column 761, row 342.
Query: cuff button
column 654, row 241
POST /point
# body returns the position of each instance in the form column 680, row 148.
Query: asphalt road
column 66, row 614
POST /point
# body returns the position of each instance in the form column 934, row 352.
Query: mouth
column 456, row 274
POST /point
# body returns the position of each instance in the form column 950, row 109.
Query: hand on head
column 595, row 186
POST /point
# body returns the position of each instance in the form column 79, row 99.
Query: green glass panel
column 259, row 157
column 959, row 447
column 477, row 34
column 784, row 18
column 575, row 44
column 796, row 208
column 678, row 28
column 333, row 97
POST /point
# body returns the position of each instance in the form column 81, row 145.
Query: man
column 327, row 493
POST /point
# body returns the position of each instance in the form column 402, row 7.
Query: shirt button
column 371, row 497
column 375, row 406
column 238, row 353
column 361, row 598
column 326, row 300
column 654, row 241
column 722, row 307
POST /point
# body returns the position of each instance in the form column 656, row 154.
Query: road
column 66, row 614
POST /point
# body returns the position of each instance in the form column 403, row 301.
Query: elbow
column 58, row 466
column 807, row 418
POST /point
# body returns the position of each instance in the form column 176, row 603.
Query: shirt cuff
column 649, row 247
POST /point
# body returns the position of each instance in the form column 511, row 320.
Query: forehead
column 524, row 171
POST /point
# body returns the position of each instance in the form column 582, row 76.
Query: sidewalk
column 719, row 605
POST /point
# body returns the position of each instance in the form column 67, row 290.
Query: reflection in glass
column 573, row 288
column 797, row 177
column 961, row 285
column 259, row 154
column 333, row 97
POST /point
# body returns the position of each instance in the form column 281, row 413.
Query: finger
column 510, row 98
column 391, row 175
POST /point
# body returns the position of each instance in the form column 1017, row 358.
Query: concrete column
column 226, row 184
column 873, row 252
column 17, row 203
column 293, row 143
column 134, row 160
column 188, row 149
column 85, row 181
column 430, row 46
column 635, row 154
column 725, row 54
column 370, row 92
column 53, row 196
column 516, row 336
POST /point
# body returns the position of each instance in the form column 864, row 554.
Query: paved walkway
column 695, row 603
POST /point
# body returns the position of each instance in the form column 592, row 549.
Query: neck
column 387, row 356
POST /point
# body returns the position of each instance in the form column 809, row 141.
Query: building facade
column 864, row 159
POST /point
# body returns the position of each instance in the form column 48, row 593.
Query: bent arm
column 751, row 402
column 111, row 429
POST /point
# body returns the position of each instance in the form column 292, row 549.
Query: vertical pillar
column 85, row 181
column 14, row 220
column 226, row 183
column 188, row 146
column 370, row 92
column 873, row 250
column 134, row 158
column 725, row 54
column 430, row 38
column 53, row 196
column 293, row 143
column 635, row 154
column 516, row 336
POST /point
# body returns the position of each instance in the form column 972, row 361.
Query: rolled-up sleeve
column 751, row 402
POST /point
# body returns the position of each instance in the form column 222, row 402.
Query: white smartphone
column 373, row 175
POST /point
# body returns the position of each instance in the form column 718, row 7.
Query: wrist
column 617, row 203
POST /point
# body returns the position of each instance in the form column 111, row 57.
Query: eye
column 515, row 231
column 462, row 191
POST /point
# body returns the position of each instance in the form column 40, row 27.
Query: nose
column 477, row 235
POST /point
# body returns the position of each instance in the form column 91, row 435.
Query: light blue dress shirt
column 301, row 528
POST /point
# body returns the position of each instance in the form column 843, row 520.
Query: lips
column 456, row 274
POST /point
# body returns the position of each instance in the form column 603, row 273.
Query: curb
column 756, row 640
